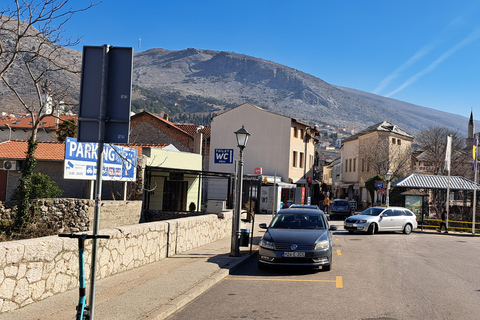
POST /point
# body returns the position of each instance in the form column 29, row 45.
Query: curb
column 177, row 303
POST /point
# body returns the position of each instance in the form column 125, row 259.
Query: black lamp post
column 242, row 139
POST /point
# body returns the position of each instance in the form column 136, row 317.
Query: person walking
column 326, row 203
column 443, row 223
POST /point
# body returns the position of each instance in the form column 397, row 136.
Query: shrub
column 41, row 187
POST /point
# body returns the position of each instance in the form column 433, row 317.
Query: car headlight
column 362, row 221
column 321, row 245
column 267, row 244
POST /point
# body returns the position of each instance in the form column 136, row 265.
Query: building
column 19, row 127
column 376, row 150
column 152, row 129
column 279, row 146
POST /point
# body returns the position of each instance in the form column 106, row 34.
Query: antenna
column 139, row 44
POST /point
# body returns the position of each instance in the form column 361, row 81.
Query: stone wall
column 34, row 269
column 65, row 215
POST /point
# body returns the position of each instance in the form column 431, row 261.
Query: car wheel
column 407, row 229
column 351, row 231
column 372, row 228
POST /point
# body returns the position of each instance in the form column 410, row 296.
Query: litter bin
column 244, row 237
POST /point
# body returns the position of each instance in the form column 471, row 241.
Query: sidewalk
column 154, row 291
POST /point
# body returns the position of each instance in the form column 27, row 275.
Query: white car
column 377, row 219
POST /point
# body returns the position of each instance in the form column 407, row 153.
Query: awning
column 284, row 185
column 345, row 185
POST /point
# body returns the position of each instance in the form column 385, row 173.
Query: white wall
column 268, row 146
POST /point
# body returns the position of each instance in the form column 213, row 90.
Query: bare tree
column 433, row 142
column 32, row 49
column 380, row 156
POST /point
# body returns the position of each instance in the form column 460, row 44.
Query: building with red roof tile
column 19, row 127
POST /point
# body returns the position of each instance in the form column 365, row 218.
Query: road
column 384, row 276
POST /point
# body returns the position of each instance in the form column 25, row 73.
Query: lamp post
column 388, row 176
column 242, row 138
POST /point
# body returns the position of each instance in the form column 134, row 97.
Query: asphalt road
column 384, row 276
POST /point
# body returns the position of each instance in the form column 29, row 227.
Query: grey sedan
column 297, row 237
column 377, row 219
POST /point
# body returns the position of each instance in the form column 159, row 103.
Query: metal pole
column 235, row 248
column 387, row 202
column 98, row 188
column 475, row 185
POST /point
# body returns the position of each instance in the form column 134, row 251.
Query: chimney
column 165, row 117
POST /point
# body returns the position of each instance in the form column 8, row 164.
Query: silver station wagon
column 377, row 219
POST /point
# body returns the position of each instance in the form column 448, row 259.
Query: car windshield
column 340, row 203
column 372, row 211
column 297, row 221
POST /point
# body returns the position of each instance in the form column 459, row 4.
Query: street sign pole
column 98, row 183
column 104, row 117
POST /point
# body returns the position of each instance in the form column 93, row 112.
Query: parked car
column 304, row 206
column 377, row 219
column 297, row 237
column 340, row 207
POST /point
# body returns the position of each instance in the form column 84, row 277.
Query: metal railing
column 452, row 224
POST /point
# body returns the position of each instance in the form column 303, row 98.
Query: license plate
column 294, row 254
column 349, row 224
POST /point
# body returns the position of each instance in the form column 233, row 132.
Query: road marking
column 338, row 282
column 339, row 253
column 337, row 239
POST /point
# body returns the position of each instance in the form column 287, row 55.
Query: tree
column 433, row 142
column 67, row 128
column 32, row 48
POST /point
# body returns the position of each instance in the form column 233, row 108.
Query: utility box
column 215, row 206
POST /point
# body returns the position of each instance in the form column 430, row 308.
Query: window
column 393, row 140
column 301, row 134
column 399, row 142
column 350, row 165
column 294, row 159
column 346, row 165
column 354, row 165
column 301, row 160
column 363, row 164
column 295, row 132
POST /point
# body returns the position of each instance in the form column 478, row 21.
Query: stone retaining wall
column 65, row 215
column 34, row 269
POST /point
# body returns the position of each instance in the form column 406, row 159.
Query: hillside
column 206, row 82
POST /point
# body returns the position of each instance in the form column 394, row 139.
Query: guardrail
column 452, row 224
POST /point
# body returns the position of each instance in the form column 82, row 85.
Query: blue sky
column 422, row 52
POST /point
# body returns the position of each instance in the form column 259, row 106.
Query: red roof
column 17, row 150
column 49, row 122
column 191, row 129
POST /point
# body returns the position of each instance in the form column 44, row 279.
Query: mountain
column 236, row 78
column 205, row 81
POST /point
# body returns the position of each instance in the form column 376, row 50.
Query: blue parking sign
column 223, row 155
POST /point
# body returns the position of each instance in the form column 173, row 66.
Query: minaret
column 471, row 130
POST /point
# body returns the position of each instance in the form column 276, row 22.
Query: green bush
column 41, row 187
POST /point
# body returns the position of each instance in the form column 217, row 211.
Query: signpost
column 120, row 163
column 104, row 116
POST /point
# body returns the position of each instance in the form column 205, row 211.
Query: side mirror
column 333, row 228
column 263, row 226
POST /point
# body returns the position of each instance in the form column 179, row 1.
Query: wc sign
column 223, row 155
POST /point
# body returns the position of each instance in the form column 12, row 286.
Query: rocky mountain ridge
column 232, row 79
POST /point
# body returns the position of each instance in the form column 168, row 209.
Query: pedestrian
column 326, row 203
column 443, row 223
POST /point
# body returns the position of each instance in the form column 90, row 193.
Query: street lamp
column 388, row 176
column 242, row 139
